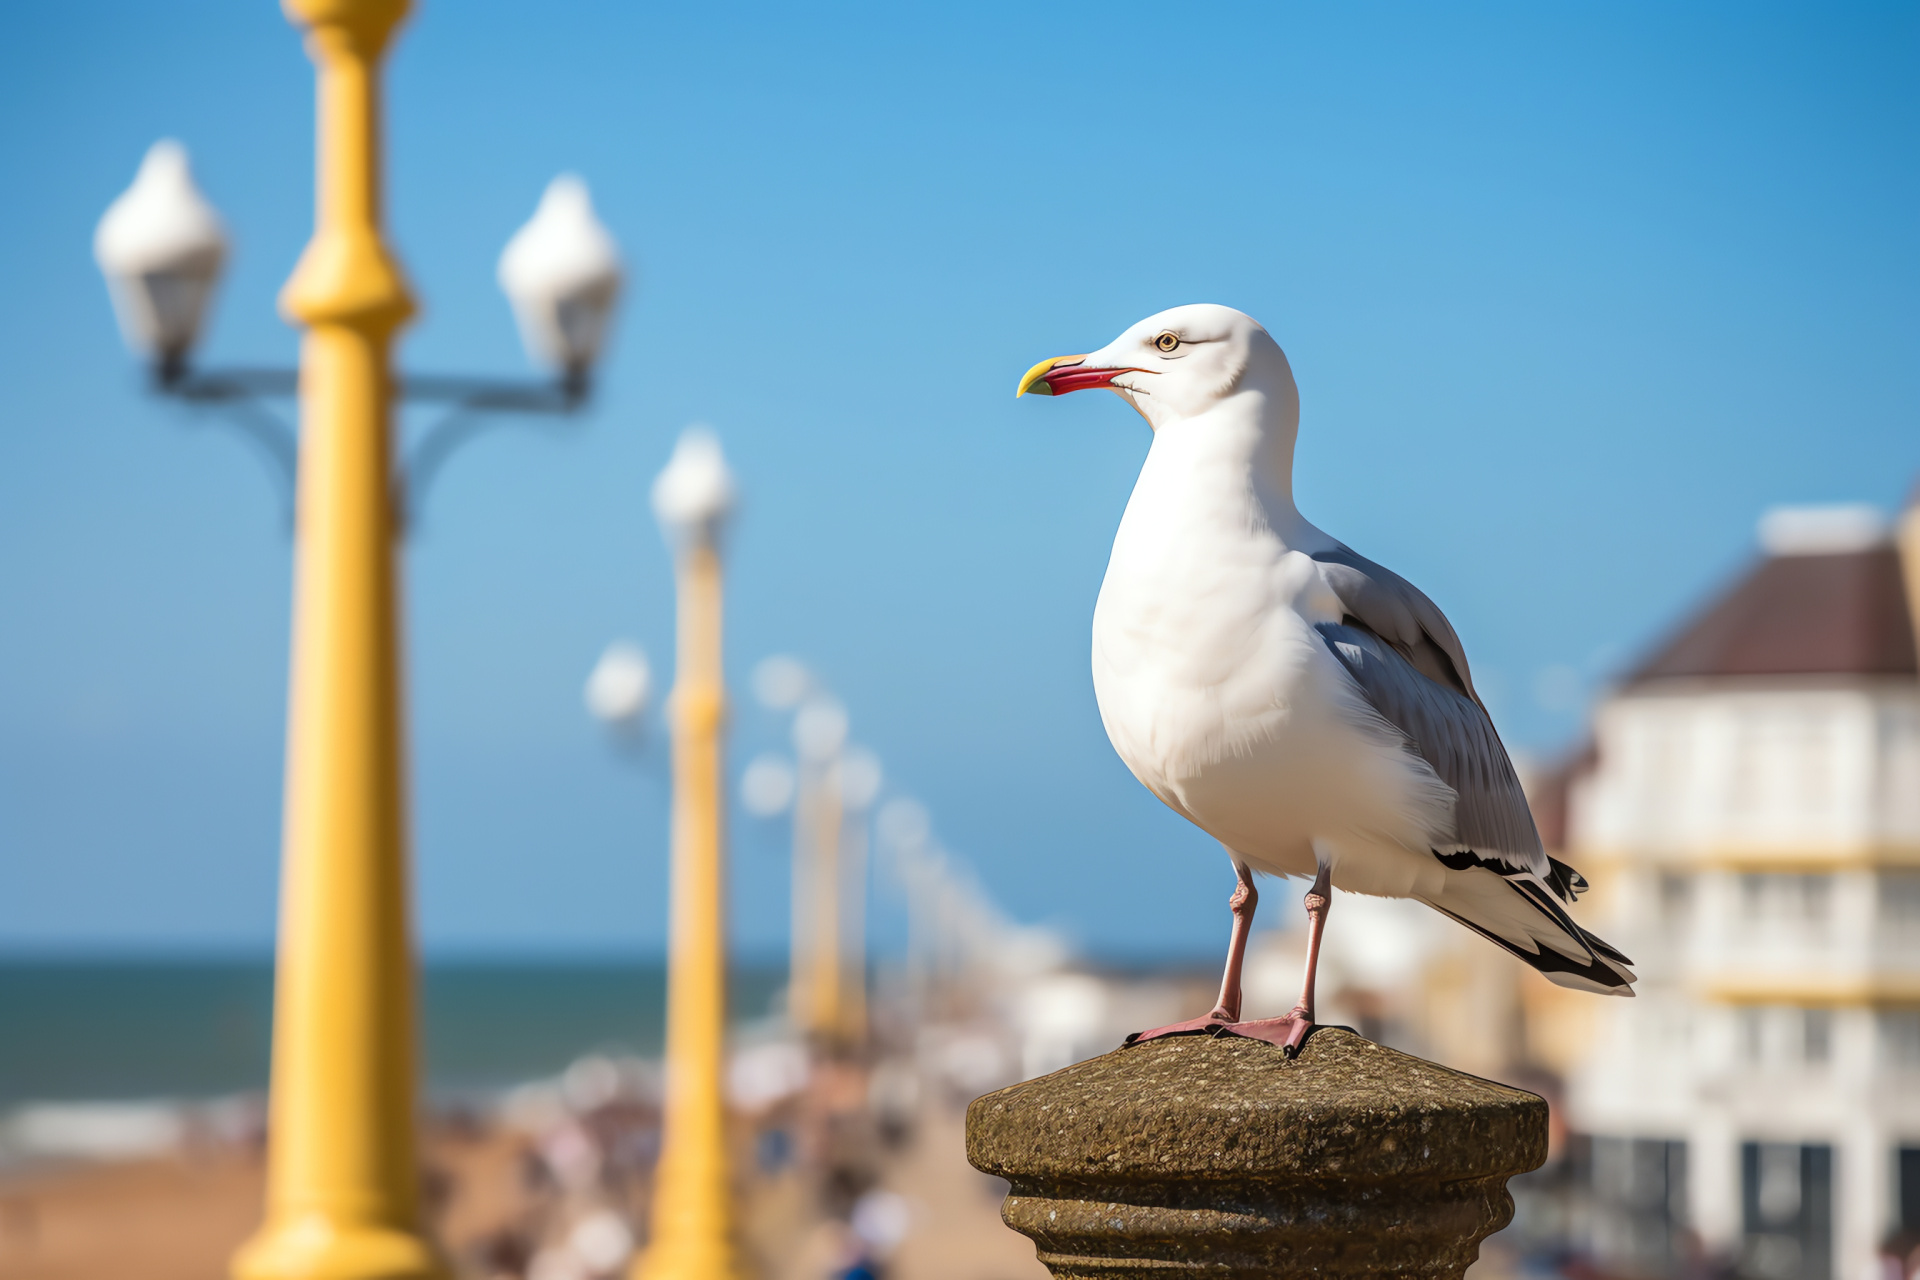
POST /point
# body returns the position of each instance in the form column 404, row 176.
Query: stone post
column 1222, row 1157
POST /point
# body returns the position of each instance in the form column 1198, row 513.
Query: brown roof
column 1836, row 614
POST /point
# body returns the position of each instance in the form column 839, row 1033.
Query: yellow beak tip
column 1031, row 380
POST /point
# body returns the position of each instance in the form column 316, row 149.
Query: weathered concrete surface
column 1224, row 1157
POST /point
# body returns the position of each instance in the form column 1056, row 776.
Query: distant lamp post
column 819, row 732
column 860, row 781
column 693, row 1229
column 826, row 989
column 562, row 273
column 161, row 247
column 906, row 834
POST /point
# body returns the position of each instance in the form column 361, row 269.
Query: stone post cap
column 1222, row 1155
column 1228, row 1109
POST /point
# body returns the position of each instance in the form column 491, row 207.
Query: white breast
column 1212, row 684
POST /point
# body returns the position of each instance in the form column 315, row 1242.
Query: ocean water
column 73, row 1029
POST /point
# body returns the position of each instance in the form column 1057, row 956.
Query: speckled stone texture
column 1222, row 1157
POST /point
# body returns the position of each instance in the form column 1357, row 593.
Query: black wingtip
column 1544, row 900
column 1550, row 962
column 1567, row 883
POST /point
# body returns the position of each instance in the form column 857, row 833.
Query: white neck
column 1244, row 442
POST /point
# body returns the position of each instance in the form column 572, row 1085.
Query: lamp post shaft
column 342, row 1182
column 693, row 1236
column 853, row 955
column 800, row 945
column 826, row 1016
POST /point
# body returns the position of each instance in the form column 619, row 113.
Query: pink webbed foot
column 1207, row 1026
column 1289, row 1033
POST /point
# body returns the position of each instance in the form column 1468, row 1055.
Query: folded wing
column 1499, row 881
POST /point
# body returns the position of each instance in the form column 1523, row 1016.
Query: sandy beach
column 180, row 1216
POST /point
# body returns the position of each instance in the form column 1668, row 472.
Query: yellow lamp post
column 858, row 777
column 342, row 1183
column 837, row 975
column 693, row 1236
column 801, row 947
column 826, row 971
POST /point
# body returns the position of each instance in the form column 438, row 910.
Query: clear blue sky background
column 1573, row 293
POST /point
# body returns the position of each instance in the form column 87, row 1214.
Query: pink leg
column 1227, row 1009
column 1291, row 1031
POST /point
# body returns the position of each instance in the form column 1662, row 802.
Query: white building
column 1751, row 821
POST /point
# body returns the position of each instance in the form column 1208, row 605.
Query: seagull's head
column 1179, row 364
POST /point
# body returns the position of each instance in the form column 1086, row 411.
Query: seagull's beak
column 1062, row 374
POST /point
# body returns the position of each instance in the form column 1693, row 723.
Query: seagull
column 1307, row 708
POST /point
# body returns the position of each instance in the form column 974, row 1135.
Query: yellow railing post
column 692, row 1236
column 342, row 1180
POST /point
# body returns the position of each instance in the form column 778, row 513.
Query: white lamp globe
column 820, row 729
column 904, row 823
column 161, row 247
column 618, row 688
column 694, row 492
column 561, row 271
column 781, row 683
column 767, row 786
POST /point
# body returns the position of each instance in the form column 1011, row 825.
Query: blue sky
column 1572, row 294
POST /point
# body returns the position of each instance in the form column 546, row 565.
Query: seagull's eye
column 1167, row 341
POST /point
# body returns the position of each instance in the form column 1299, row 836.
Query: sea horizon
column 102, row 1023
column 192, row 1024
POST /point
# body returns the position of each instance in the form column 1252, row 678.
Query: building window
column 1908, row 1168
column 1816, row 751
column 1639, row 1201
column 1753, row 1035
column 1816, row 1035
column 1899, row 767
column 1816, row 898
column 1900, row 903
column 1784, row 1034
column 1676, row 897
column 1774, row 899
column 1665, row 759
column 1786, row 1193
column 1900, row 1038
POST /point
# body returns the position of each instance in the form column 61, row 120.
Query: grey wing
column 1398, row 612
column 1449, row 729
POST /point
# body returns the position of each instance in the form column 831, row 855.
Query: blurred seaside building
column 1747, row 807
column 1749, row 812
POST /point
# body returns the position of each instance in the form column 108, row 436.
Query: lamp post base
column 688, row 1260
column 311, row 1247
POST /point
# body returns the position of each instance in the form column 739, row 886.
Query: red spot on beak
column 1063, row 378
